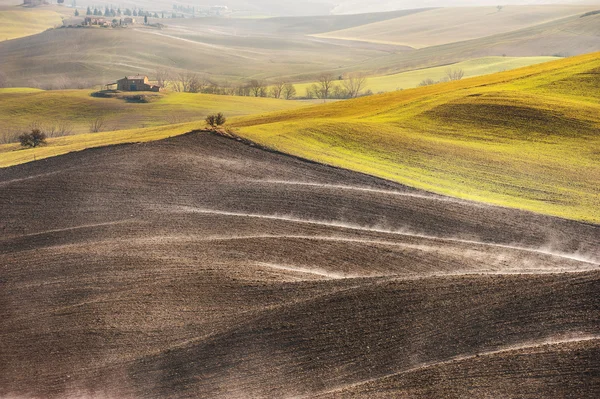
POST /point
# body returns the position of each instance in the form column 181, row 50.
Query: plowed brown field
column 202, row 267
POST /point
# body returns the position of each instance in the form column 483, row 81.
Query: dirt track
column 201, row 267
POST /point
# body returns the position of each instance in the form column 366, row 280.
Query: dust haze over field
column 439, row 239
column 200, row 266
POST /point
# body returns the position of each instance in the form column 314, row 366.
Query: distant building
column 95, row 21
column 128, row 20
column 136, row 83
column 33, row 3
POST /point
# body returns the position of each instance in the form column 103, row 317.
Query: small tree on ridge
column 33, row 139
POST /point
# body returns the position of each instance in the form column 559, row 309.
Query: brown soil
column 202, row 267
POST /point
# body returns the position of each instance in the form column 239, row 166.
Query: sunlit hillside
column 70, row 115
column 471, row 68
column 16, row 21
column 22, row 108
column 528, row 138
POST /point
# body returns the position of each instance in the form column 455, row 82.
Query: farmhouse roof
column 134, row 77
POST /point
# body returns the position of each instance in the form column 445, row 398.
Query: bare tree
column 3, row 80
column 257, row 87
column 64, row 128
column 7, row 137
column 189, row 82
column 455, row 74
column 194, row 84
column 242, row 90
column 427, row 82
column 289, row 91
column 338, row 91
column 162, row 76
column 97, row 124
column 277, row 88
column 325, row 85
column 314, row 91
column 354, row 84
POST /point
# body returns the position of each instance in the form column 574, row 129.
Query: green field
column 411, row 79
column 527, row 138
column 22, row 108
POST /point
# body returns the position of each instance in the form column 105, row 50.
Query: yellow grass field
column 448, row 25
column 13, row 154
column 528, row 138
column 16, row 21
column 21, row 108
column 411, row 79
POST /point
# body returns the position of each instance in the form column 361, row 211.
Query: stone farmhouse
column 95, row 21
column 136, row 83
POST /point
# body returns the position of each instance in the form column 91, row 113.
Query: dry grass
column 18, row 22
column 448, row 25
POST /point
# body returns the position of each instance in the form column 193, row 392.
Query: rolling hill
column 448, row 25
column 471, row 68
column 20, row 109
column 17, row 21
column 198, row 266
column 527, row 138
column 236, row 50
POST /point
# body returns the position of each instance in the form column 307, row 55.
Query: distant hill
column 236, row 50
column 448, row 25
column 18, row 21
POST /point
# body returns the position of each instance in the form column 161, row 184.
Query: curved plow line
column 376, row 230
column 512, row 348
column 367, row 190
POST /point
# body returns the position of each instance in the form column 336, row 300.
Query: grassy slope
column 19, row 108
column 12, row 154
column 528, row 138
column 475, row 67
column 18, row 22
column 447, row 25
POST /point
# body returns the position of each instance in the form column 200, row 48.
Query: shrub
column 220, row 119
column 427, row 82
column 215, row 120
column 33, row 139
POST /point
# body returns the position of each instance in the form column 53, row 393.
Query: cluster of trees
column 111, row 12
column 190, row 82
column 327, row 86
column 186, row 9
column 451, row 75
